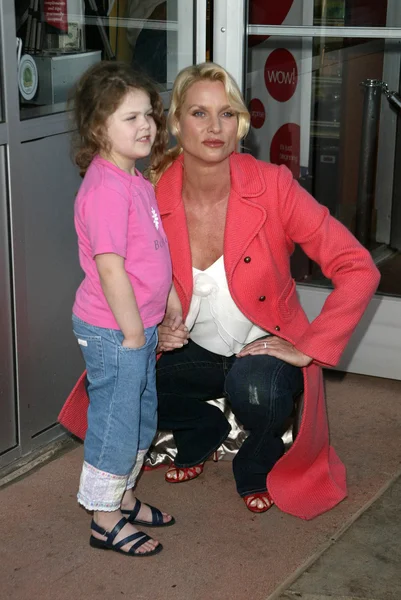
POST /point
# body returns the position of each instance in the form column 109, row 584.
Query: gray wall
column 51, row 358
column 39, row 275
column 8, row 424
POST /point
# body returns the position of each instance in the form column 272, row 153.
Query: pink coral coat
column 268, row 212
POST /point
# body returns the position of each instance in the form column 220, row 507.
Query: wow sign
column 280, row 82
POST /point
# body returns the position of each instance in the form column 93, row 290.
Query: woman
column 231, row 222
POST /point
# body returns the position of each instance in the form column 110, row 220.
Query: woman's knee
column 263, row 387
column 248, row 379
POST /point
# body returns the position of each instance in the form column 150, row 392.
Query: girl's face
column 131, row 130
column 207, row 127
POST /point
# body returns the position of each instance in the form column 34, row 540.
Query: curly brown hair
column 96, row 96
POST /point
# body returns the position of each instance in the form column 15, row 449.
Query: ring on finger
column 264, row 344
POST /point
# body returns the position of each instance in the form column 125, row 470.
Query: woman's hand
column 172, row 333
column 275, row 346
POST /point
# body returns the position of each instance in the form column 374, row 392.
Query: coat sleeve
column 342, row 259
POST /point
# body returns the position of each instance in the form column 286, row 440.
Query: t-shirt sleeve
column 106, row 218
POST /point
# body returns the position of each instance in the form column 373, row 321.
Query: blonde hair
column 185, row 79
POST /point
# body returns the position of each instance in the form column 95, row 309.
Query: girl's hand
column 134, row 342
column 275, row 346
column 172, row 333
column 173, row 320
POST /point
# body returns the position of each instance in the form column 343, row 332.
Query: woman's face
column 207, row 126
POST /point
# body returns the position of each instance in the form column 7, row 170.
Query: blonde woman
column 232, row 222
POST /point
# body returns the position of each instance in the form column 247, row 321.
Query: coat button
column 277, row 328
column 262, row 298
column 247, row 259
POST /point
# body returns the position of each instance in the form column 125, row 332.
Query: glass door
column 317, row 76
column 45, row 45
column 57, row 41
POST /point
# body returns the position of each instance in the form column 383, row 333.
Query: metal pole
column 368, row 157
column 394, row 99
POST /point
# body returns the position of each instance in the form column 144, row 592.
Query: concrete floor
column 218, row 550
column 364, row 563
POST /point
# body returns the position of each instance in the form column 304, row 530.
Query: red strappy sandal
column 263, row 496
column 181, row 474
column 188, row 473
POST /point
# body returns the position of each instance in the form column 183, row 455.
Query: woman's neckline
column 194, row 189
column 216, row 262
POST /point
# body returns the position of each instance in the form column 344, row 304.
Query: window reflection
column 308, row 111
column 148, row 47
column 60, row 38
column 355, row 13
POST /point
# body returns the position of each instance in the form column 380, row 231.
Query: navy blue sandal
column 157, row 516
column 111, row 535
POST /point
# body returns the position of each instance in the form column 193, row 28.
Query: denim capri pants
column 122, row 414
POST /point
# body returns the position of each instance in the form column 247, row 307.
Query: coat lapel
column 168, row 192
column 245, row 216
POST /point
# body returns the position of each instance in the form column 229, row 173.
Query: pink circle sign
column 285, row 147
column 257, row 112
column 263, row 12
column 281, row 74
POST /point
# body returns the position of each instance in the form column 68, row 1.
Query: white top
column 214, row 321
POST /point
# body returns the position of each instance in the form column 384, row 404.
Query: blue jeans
column 122, row 414
column 261, row 390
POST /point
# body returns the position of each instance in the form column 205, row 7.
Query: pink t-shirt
column 117, row 212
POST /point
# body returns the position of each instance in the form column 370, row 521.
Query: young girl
column 124, row 254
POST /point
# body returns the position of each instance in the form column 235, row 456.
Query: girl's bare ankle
column 128, row 499
column 107, row 520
